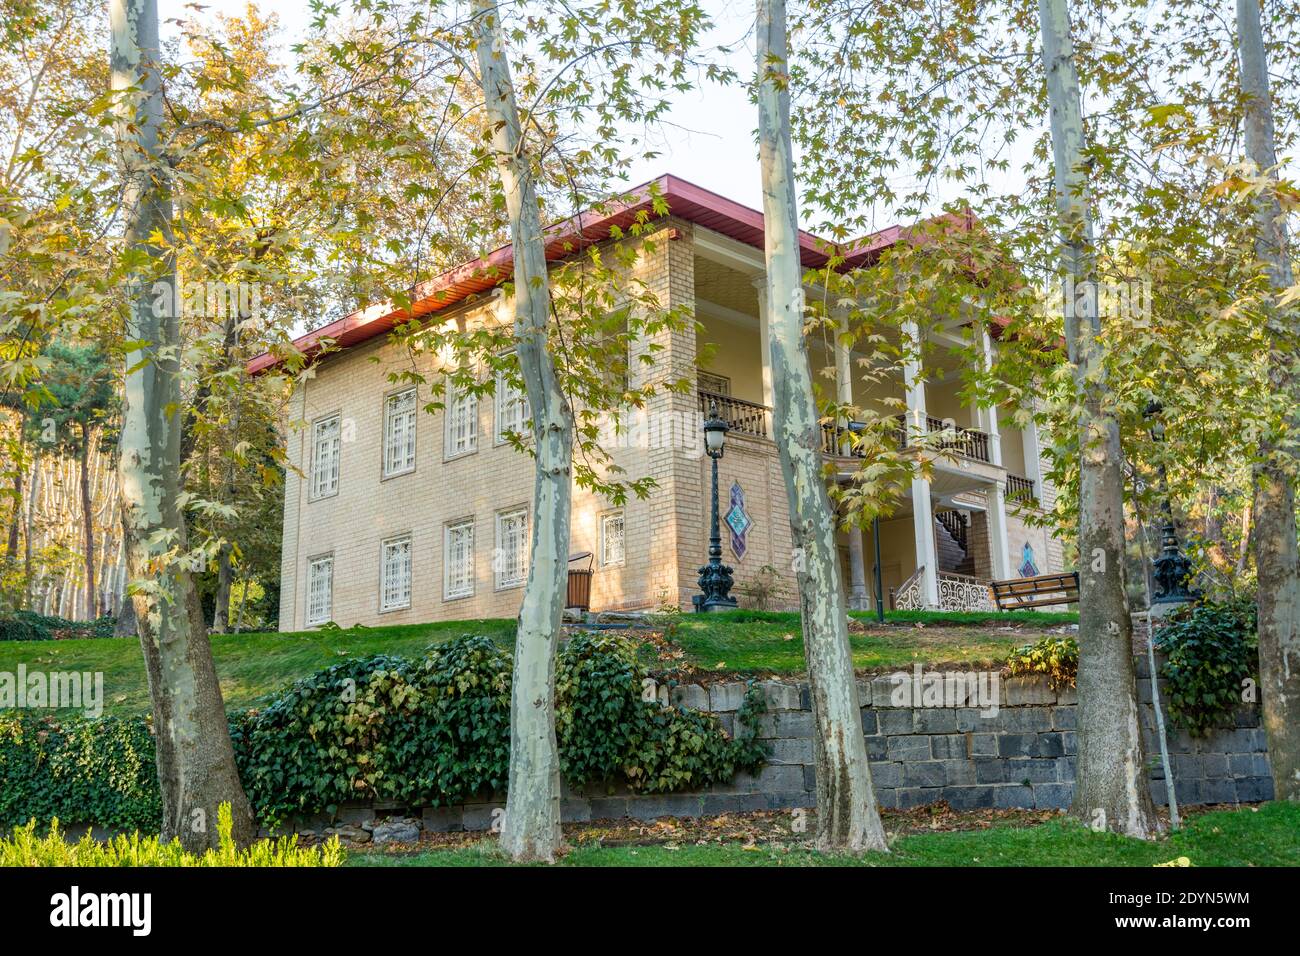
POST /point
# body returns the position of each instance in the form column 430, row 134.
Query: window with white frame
column 611, row 539
column 511, row 410
column 510, row 560
column 399, row 433
column 395, row 577
column 320, row 589
column 462, row 423
column 458, row 559
column 325, row 457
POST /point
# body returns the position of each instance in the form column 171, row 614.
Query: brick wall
column 369, row 508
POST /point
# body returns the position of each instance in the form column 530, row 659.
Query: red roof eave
column 685, row 200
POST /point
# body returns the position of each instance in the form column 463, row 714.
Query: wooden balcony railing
column 836, row 441
column 748, row 418
column 960, row 441
column 1019, row 488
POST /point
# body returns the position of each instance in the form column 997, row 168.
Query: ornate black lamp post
column 715, row 577
column 1171, row 569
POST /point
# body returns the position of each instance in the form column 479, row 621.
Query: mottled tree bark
column 225, row 575
column 1277, row 561
column 847, row 815
column 1110, row 788
column 16, row 516
column 87, row 523
column 531, row 829
column 196, row 763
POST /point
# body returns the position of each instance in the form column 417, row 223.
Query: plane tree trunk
column 196, row 763
column 531, row 828
column 1277, row 562
column 1110, row 790
column 847, row 815
column 87, row 523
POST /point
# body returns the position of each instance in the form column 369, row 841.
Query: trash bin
column 579, row 595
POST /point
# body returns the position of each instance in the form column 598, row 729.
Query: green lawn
column 771, row 642
column 1266, row 836
column 744, row 642
column 249, row 665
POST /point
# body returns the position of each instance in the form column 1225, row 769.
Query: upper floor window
column 458, row 559
column 512, row 408
column 395, row 577
column 462, row 423
column 325, row 449
column 510, row 560
column 320, row 589
column 611, row 539
column 399, row 433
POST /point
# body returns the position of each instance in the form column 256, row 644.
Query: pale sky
column 710, row 140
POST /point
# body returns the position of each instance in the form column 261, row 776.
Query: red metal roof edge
column 563, row 238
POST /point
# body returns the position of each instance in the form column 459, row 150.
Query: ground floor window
column 395, row 576
column 458, row 559
column 611, row 539
column 510, row 559
column 320, row 589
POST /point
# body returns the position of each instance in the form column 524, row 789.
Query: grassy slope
column 252, row 665
column 773, row 642
column 1243, row 837
column 249, row 665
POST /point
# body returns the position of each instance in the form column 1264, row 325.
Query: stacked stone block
column 1021, row 757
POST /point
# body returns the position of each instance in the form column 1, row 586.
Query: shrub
column 1211, row 649
column 438, row 732
column 1057, row 657
column 763, row 589
column 30, row 626
column 423, row 734
column 85, row 770
column 607, row 726
column 25, row 848
column 426, row 733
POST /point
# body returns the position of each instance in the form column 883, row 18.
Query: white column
column 989, row 413
column 999, row 546
column 843, row 372
column 858, row 600
column 765, row 353
column 1033, row 454
column 922, row 513
column 857, row 597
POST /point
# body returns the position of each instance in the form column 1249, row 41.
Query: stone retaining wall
column 1022, row 756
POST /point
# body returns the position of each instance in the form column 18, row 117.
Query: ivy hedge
column 1211, row 650
column 80, row 770
column 30, row 626
column 421, row 733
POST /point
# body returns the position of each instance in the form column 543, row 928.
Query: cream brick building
column 399, row 515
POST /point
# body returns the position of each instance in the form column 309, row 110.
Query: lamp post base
column 705, row 605
column 715, row 586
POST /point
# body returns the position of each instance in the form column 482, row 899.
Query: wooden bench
column 1040, row 591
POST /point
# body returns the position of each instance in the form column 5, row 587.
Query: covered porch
column 948, row 537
